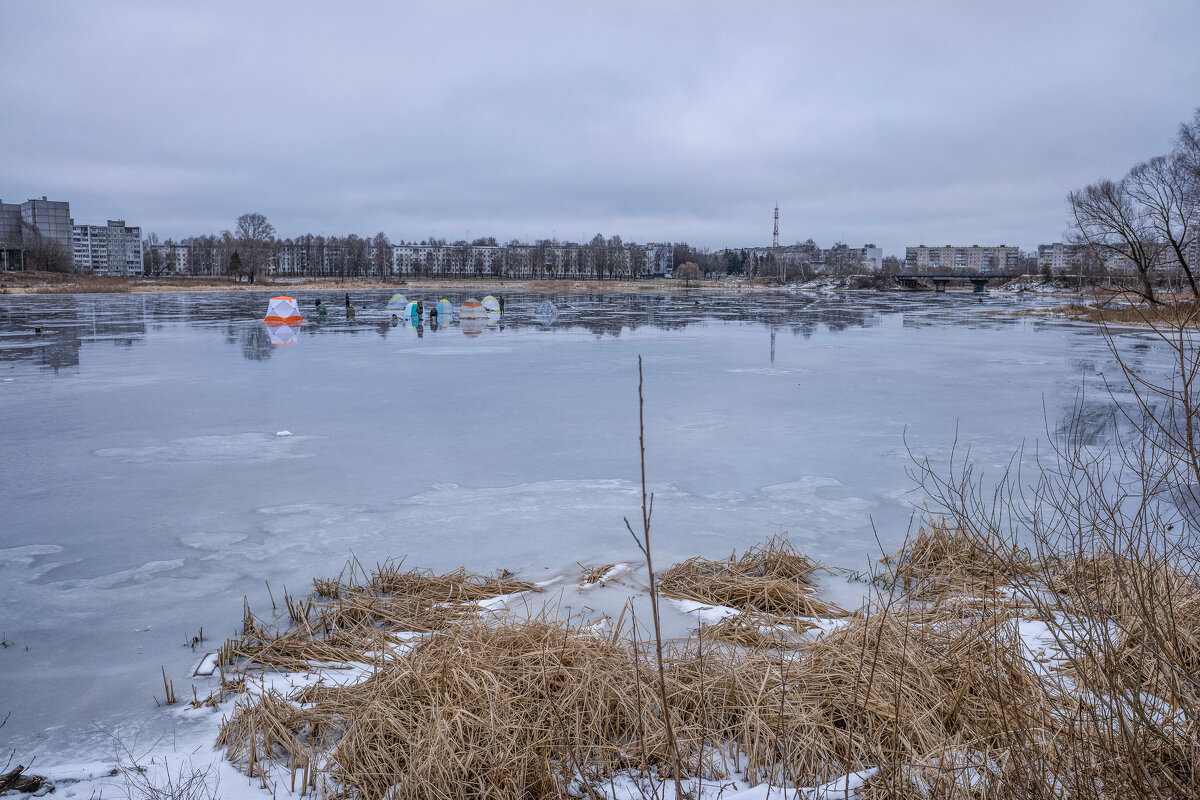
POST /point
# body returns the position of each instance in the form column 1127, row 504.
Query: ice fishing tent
column 471, row 309
column 397, row 303
column 491, row 304
column 283, row 310
column 410, row 310
column 445, row 310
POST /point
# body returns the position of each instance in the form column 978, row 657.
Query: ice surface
column 145, row 491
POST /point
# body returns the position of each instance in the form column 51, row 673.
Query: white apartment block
column 998, row 259
column 112, row 249
column 1059, row 257
column 561, row 261
column 173, row 258
column 824, row 259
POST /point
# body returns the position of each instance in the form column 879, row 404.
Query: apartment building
column 1060, row 258
column 112, row 249
column 51, row 219
column 839, row 258
column 950, row 258
column 168, row 258
column 564, row 261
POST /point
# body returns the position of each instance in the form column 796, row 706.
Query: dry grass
column 941, row 564
column 516, row 709
column 1144, row 631
column 932, row 688
column 359, row 612
column 772, row 577
column 1130, row 311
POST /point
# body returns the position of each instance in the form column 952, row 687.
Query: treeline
column 253, row 249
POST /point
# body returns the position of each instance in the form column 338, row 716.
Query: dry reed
column 940, row 697
column 942, row 563
column 772, row 577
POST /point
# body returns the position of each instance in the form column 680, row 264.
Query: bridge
column 912, row 280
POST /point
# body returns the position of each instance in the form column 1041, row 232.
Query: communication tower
column 775, row 238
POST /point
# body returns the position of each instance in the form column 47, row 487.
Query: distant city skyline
column 920, row 123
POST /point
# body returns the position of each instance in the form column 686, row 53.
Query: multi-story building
column 167, row 258
column 837, row 259
column 999, row 259
column 49, row 219
column 12, row 256
column 1059, row 257
column 112, row 249
column 871, row 257
column 541, row 260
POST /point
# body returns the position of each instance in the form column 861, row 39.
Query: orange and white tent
column 283, row 311
column 472, row 309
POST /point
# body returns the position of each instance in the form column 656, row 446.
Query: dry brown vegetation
column 772, row 578
column 943, row 698
column 1125, row 312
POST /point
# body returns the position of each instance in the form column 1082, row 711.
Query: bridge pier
column 979, row 284
column 939, row 286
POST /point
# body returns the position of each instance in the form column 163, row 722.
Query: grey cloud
column 880, row 122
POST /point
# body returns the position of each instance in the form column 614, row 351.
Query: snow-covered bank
column 390, row 683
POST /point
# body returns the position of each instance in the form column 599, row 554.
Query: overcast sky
column 890, row 122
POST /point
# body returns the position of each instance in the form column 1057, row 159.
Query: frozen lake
column 145, row 490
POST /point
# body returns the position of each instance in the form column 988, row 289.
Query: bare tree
column 687, row 272
column 152, row 256
column 381, row 254
column 254, row 237
column 1148, row 220
column 42, row 252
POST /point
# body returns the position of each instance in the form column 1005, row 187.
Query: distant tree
column 892, row 265
column 687, row 272
column 1149, row 219
column 381, row 254
column 254, row 237
column 235, row 265
column 153, row 263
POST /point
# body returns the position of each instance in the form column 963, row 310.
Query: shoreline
column 24, row 283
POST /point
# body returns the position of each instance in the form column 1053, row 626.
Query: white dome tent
column 283, row 310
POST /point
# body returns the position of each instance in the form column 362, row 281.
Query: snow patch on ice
column 241, row 448
column 25, row 554
column 706, row 614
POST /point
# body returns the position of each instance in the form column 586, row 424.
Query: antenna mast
column 775, row 238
